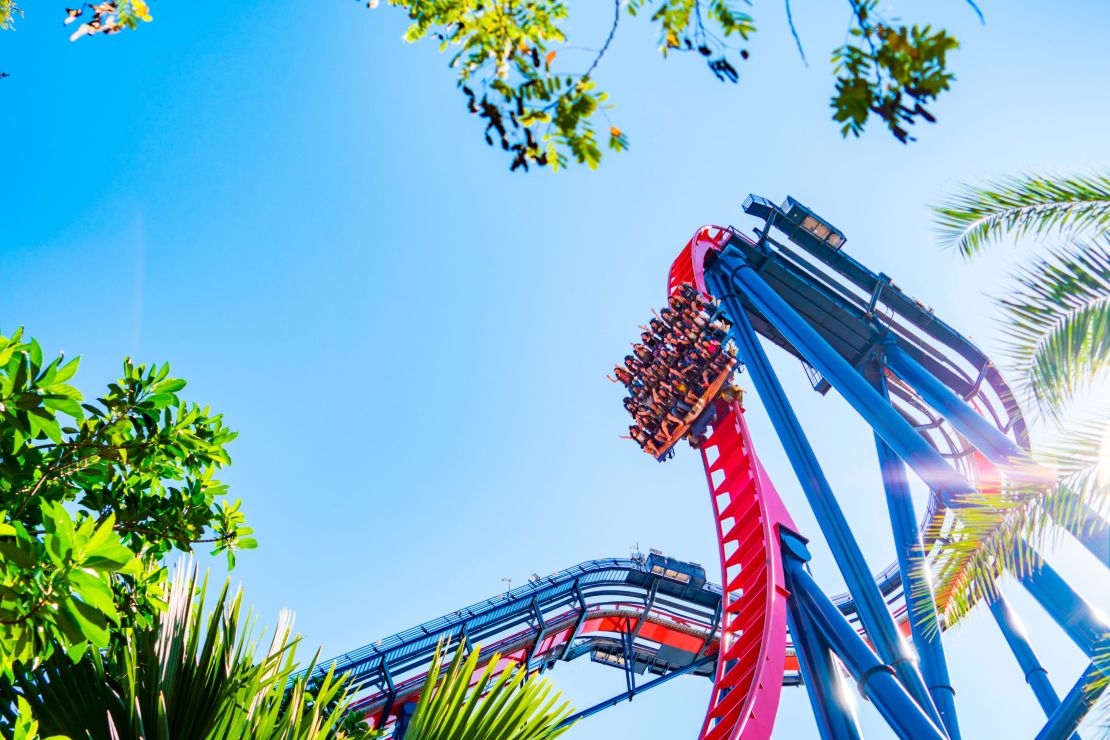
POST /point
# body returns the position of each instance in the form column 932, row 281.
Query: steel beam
column 713, row 627
column 541, row 631
column 628, row 694
column 982, row 434
column 1074, row 707
column 918, row 591
column 577, row 622
column 1035, row 674
column 629, row 658
column 876, row 681
column 869, row 601
column 392, row 692
column 1086, row 627
column 833, row 709
column 649, row 602
column 730, row 275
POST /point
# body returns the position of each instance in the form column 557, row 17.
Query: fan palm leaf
column 185, row 676
column 1024, row 205
column 453, row 706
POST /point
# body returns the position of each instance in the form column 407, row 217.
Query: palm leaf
column 989, row 535
column 1101, row 659
column 1081, row 458
column 452, row 706
column 1024, row 205
column 1058, row 323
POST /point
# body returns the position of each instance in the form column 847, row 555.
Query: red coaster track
column 748, row 512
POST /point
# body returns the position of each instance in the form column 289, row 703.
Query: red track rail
column 748, row 513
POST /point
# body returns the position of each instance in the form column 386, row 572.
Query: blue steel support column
column 832, row 709
column 983, row 435
column 730, row 273
column 920, row 603
column 392, row 695
column 875, row 680
column 1086, row 627
column 1073, row 709
column 628, row 695
column 1088, row 527
column 1035, row 674
column 869, row 601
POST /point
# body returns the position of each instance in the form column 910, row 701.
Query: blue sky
column 292, row 207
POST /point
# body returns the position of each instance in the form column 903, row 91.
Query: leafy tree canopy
column 94, row 495
column 541, row 111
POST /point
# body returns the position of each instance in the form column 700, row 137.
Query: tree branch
column 608, row 40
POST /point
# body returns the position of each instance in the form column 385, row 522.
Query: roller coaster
column 938, row 408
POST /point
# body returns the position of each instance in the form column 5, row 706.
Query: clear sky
column 293, row 207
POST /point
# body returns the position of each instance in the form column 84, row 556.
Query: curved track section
column 616, row 611
column 956, row 426
column 615, row 591
column 748, row 514
column 841, row 299
column 666, row 620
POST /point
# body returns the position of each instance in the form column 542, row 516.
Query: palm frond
column 988, row 536
column 978, row 546
column 453, row 706
column 1022, row 205
column 1099, row 684
column 1057, row 319
column 1080, row 456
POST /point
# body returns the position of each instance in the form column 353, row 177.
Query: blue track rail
column 387, row 672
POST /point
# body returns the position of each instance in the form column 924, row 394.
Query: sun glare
column 1103, row 474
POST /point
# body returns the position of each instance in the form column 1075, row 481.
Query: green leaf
column 18, row 553
column 170, row 385
column 67, row 371
column 65, row 406
column 95, row 591
column 92, row 622
column 160, row 400
column 35, row 354
column 111, row 556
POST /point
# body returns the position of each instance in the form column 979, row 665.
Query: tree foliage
column 542, row 110
column 107, row 18
column 885, row 68
column 1057, row 321
column 190, row 673
column 93, row 495
column 9, row 11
